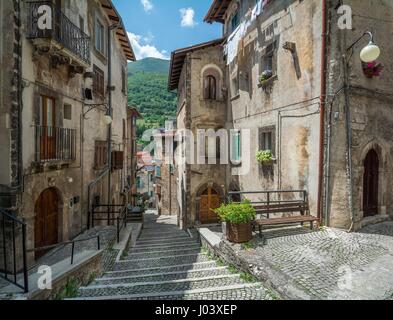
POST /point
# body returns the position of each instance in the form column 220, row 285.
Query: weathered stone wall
column 167, row 201
column 371, row 120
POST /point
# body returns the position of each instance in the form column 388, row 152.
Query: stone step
column 159, row 277
column 160, row 262
column 165, row 235
column 163, row 253
column 232, row 293
column 174, row 268
column 157, row 288
column 166, row 239
column 164, row 242
column 146, row 249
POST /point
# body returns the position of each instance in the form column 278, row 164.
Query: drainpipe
column 322, row 107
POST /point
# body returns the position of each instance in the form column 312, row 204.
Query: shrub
column 236, row 213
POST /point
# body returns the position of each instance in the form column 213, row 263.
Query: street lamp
column 108, row 119
column 369, row 53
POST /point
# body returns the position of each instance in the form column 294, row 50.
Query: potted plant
column 266, row 75
column 238, row 218
column 372, row 69
column 265, row 157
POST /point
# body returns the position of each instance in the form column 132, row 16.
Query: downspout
column 322, row 110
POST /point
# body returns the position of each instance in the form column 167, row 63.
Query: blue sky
column 157, row 27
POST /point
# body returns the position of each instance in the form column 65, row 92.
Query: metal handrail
column 63, row 244
column 14, row 223
column 121, row 220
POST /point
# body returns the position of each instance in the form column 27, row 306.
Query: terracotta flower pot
column 239, row 233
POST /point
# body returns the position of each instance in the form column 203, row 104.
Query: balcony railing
column 61, row 30
column 55, row 144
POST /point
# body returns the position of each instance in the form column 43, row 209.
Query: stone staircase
column 167, row 264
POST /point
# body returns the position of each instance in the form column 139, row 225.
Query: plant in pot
column 266, row 75
column 265, row 157
column 238, row 218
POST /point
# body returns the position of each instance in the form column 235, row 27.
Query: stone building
column 63, row 127
column 198, row 74
column 165, row 175
column 326, row 120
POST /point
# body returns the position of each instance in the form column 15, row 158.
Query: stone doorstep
column 187, row 272
column 159, row 268
column 165, row 246
column 166, row 257
column 60, row 271
column 158, row 283
column 191, row 248
column 171, row 293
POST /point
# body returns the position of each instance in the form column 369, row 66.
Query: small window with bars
column 267, row 139
column 100, row 155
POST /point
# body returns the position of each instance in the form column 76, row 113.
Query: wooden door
column 47, row 128
column 370, row 184
column 210, row 200
column 46, row 221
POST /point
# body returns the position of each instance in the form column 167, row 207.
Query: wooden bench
column 301, row 207
column 278, row 206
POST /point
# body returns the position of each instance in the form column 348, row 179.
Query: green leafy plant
column 264, row 156
column 70, row 290
column 236, row 213
column 266, row 75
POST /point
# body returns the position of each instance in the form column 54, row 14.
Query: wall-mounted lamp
column 108, row 119
column 369, row 53
column 101, row 106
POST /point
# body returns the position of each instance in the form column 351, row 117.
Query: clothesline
column 232, row 46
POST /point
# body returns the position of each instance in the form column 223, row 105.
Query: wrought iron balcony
column 55, row 144
column 61, row 30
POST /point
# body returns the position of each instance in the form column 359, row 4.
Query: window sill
column 235, row 97
column 267, row 82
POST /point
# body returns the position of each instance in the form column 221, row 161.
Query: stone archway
column 372, row 180
column 48, row 209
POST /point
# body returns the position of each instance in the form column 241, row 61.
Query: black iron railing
column 110, row 214
column 63, row 244
column 13, row 260
column 55, row 144
column 57, row 26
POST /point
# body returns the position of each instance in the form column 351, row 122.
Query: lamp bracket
column 100, row 106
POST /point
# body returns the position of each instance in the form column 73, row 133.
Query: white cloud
column 144, row 50
column 147, row 5
column 187, row 17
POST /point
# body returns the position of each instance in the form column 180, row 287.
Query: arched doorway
column 370, row 184
column 46, row 231
column 210, row 200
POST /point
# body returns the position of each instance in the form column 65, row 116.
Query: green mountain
column 147, row 85
column 151, row 65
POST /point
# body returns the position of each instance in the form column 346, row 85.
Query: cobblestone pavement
column 329, row 264
column 167, row 264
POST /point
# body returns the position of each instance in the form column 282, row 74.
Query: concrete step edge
column 161, row 274
column 171, row 293
column 157, row 283
column 160, row 268
column 164, row 251
column 165, row 257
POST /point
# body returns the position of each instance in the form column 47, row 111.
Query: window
column 124, row 81
column 158, row 171
column 81, row 23
column 100, row 155
column 269, row 59
column 99, row 36
column 117, row 160
column 138, row 182
column 98, row 81
column 267, row 139
column 236, row 147
column 210, row 88
column 235, row 21
column 67, row 112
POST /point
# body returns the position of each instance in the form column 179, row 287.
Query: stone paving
column 167, row 264
column 328, row 264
